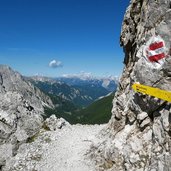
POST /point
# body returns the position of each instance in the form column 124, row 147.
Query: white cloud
column 55, row 64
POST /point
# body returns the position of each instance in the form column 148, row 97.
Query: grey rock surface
column 138, row 137
column 21, row 106
column 53, row 123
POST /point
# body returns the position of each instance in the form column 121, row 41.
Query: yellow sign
column 156, row 92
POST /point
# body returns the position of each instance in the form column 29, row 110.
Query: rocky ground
column 58, row 147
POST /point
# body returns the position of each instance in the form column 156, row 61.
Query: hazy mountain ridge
column 70, row 99
column 63, row 90
column 109, row 83
column 80, row 92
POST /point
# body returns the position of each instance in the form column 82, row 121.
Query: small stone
column 142, row 116
column 145, row 123
column 134, row 158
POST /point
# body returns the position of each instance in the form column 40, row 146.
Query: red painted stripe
column 155, row 46
column 156, row 57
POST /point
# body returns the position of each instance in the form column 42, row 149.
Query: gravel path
column 67, row 150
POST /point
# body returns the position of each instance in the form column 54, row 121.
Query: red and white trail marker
column 156, row 50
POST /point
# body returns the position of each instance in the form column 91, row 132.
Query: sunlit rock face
column 21, row 106
column 138, row 136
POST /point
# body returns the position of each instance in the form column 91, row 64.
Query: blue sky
column 81, row 34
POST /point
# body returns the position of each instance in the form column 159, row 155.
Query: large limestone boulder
column 138, row 136
column 53, row 123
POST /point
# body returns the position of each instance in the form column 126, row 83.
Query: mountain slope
column 80, row 95
column 63, row 109
column 68, row 100
column 21, row 106
column 99, row 112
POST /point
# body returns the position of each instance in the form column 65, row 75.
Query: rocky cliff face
column 138, row 136
column 21, row 106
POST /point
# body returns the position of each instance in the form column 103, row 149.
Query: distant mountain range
column 81, row 92
column 78, row 100
column 75, row 99
column 109, row 83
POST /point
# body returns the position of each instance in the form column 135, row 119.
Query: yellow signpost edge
column 156, row 92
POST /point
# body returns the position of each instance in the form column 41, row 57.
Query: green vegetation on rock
column 98, row 112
